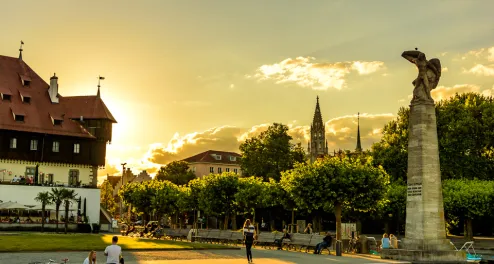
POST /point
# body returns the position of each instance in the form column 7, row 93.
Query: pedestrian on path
column 249, row 232
column 113, row 252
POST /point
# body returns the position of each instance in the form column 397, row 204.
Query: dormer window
column 19, row 118
column 6, row 97
column 25, row 97
column 56, row 120
column 216, row 156
column 18, row 115
column 26, row 80
column 233, row 158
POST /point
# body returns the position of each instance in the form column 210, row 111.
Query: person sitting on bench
column 279, row 242
column 326, row 242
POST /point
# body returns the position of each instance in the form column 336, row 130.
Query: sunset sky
column 186, row 76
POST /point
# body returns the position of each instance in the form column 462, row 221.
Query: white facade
column 25, row 194
column 61, row 172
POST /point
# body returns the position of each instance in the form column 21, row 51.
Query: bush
column 96, row 228
column 83, row 228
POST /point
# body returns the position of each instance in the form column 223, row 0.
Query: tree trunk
column 225, row 226
column 57, row 211
column 337, row 214
column 386, row 226
column 468, row 232
column 66, row 216
column 42, row 217
column 234, row 221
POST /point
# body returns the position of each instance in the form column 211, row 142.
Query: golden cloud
column 443, row 92
column 481, row 69
column 318, row 76
column 341, row 134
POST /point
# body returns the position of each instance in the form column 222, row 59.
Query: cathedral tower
column 318, row 145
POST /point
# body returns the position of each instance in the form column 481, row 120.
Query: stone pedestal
column 425, row 232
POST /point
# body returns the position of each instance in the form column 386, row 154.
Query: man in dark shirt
column 279, row 242
column 326, row 242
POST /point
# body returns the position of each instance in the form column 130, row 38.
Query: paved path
column 190, row 257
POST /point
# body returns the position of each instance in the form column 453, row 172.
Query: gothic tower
column 317, row 146
column 359, row 145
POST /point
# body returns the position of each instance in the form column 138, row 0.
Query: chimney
column 53, row 90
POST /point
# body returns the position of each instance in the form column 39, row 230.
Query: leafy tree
column 217, row 196
column 468, row 200
column 67, row 197
column 165, row 199
column 177, row 172
column 270, row 153
column 139, row 196
column 107, row 198
column 465, row 125
column 56, row 196
column 45, row 199
column 334, row 183
column 393, row 206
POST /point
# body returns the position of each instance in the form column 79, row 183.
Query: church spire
column 318, row 146
column 359, row 145
column 20, row 50
column 317, row 120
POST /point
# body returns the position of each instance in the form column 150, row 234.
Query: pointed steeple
column 99, row 80
column 359, row 145
column 317, row 120
column 20, row 50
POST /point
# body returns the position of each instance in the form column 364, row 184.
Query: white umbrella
column 12, row 206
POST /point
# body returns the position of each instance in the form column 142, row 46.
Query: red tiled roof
column 89, row 107
column 40, row 109
column 208, row 157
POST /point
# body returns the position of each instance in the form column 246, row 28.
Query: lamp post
column 123, row 174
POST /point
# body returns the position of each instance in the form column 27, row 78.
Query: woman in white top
column 91, row 258
column 249, row 231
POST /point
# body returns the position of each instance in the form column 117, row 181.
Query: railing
column 54, row 184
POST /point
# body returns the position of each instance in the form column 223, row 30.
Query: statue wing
column 411, row 55
column 435, row 66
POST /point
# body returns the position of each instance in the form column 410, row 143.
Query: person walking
column 113, row 252
column 249, row 232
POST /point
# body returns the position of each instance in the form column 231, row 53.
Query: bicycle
column 50, row 261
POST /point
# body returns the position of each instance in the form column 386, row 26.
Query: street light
column 121, row 204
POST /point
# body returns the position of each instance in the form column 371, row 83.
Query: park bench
column 213, row 236
column 183, row 233
column 201, row 235
column 316, row 239
column 173, row 234
column 264, row 239
column 237, row 238
column 225, row 236
column 299, row 241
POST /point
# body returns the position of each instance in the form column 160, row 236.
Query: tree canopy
column 335, row 183
column 177, row 172
column 107, row 198
column 465, row 125
column 270, row 153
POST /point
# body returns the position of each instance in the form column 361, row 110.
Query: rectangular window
column 19, row 118
column 193, row 169
column 77, row 148
column 30, row 171
column 219, row 170
column 6, row 97
column 56, row 146
column 13, row 143
column 34, row 144
column 227, row 169
column 50, row 178
column 57, row 122
column 73, row 177
column 232, row 158
column 235, row 170
column 211, row 169
column 26, row 99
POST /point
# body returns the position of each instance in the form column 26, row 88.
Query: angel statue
column 428, row 77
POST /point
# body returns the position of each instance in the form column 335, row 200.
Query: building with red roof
column 46, row 138
column 214, row 161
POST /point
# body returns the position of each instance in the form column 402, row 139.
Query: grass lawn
column 86, row 242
